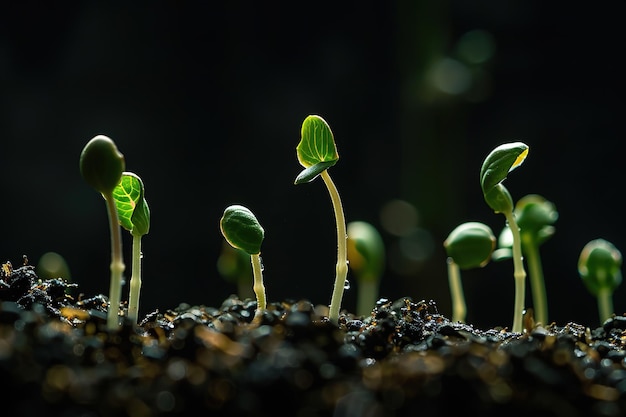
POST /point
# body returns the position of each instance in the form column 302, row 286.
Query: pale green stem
column 519, row 273
column 537, row 282
column 367, row 297
column 605, row 303
column 259, row 288
column 135, row 281
column 459, row 308
column 342, row 252
column 117, row 265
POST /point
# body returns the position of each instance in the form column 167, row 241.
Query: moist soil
column 404, row 359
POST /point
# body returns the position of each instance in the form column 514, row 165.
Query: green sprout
column 599, row 267
column 316, row 153
column 496, row 166
column 366, row 253
column 134, row 215
column 102, row 165
column 234, row 266
column 242, row 230
column 468, row 246
column 535, row 216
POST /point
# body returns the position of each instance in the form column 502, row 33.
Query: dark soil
column 405, row 359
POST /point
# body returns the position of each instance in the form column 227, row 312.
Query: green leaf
column 470, row 245
column 599, row 266
column 366, row 251
column 102, row 164
column 132, row 209
column 317, row 149
column 502, row 160
column 241, row 229
column 535, row 216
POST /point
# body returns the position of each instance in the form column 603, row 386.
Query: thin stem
column 117, row 265
column 135, row 281
column 519, row 273
column 259, row 288
column 459, row 308
column 342, row 252
column 605, row 303
column 537, row 282
column 366, row 299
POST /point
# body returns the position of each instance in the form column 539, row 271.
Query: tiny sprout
column 242, row 231
column 469, row 245
column 599, row 267
column 366, row 253
column 316, row 153
column 496, row 166
column 535, row 217
column 102, row 165
column 134, row 215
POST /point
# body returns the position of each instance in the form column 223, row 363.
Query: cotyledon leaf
column 132, row 208
column 317, row 150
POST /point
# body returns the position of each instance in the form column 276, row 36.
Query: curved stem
column 135, row 281
column 342, row 253
column 259, row 288
column 459, row 308
column 519, row 274
column 117, row 265
column 537, row 282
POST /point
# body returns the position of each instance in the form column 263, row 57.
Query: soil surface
column 405, row 359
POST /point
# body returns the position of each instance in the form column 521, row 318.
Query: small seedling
column 242, row 230
column 468, row 246
column 535, row 216
column 316, row 153
column 102, row 165
column 366, row 254
column 496, row 166
column 599, row 267
column 134, row 215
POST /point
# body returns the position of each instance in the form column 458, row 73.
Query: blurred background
column 206, row 100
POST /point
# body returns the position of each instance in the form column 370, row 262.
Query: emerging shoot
column 468, row 246
column 134, row 215
column 496, row 166
column 242, row 231
column 599, row 267
column 102, row 165
column 316, row 153
column 535, row 216
column 366, row 253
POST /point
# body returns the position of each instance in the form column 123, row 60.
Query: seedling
column 134, row 215
column 242, row 230
column 599, row 267
column 102, row 165
column 316, row 153
column 535, row 216
column 366, row 254
column 468, row 246
column 497, row 165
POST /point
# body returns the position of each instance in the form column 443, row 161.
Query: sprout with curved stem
column 535, row 216
column 366, row 253
column 134, row 215
column 468, row 246
column 316, row 153
column 599, row 267
column 101, row 165
column 496, row 166
column 242, row 230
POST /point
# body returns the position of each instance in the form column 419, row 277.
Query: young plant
column 366, row 254
column 468, row 246
column 496, row 166
column 599, row 267
column 134, row 215
column 101, row 165
column 535, row 217
column 316, row 153
column 242, row 230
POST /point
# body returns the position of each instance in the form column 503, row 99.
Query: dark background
column 206, row 100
